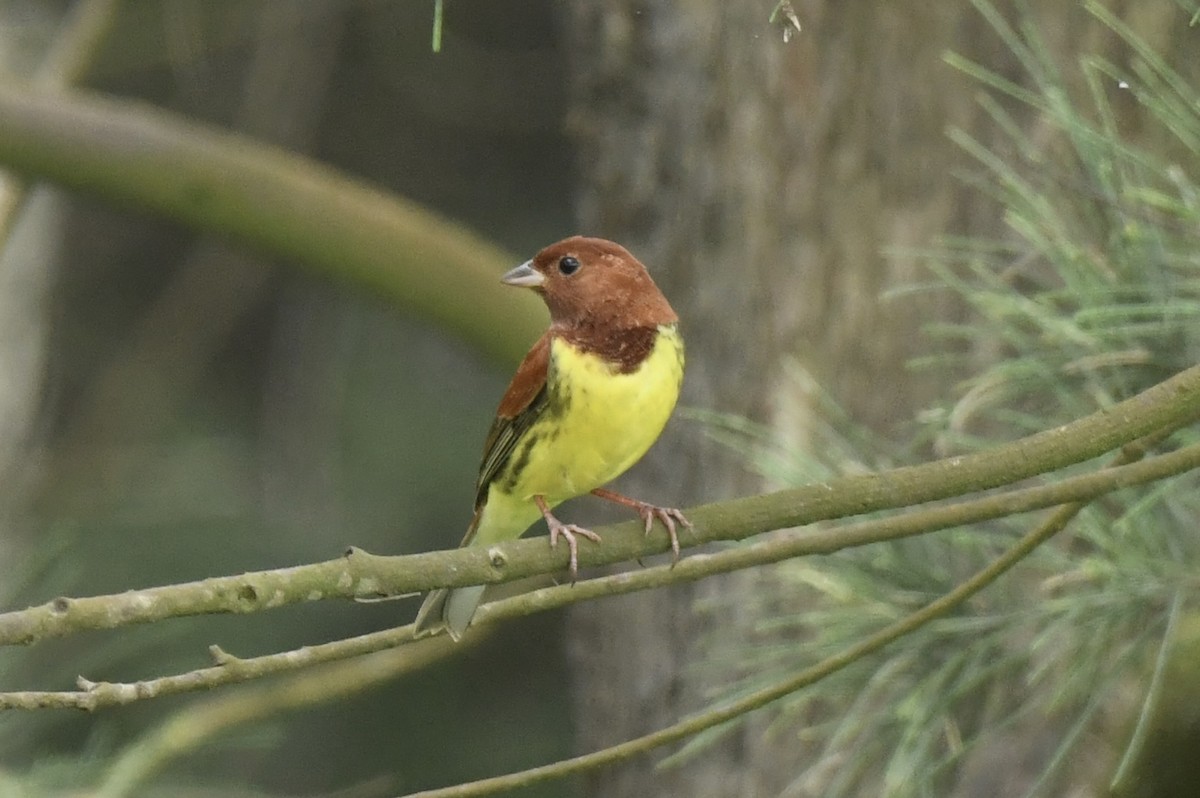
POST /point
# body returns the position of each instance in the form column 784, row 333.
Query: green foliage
column 1096, row 292
column 1092, row 295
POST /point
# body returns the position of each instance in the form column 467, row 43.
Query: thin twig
column 1151, row 705
column 190, row 727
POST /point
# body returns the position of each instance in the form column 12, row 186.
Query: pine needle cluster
column 1091, row 295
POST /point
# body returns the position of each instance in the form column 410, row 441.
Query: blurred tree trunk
column 53, row 48
column 760, row 180
column 279, row 98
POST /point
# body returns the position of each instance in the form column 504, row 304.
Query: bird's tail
column 449, row 609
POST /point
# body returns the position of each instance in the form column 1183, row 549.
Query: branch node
column 222, row 657
column 103, row 694
column 1134, row 450
column 247, row 594
column 497, row 559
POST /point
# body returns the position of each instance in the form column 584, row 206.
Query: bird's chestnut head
column 592, row 281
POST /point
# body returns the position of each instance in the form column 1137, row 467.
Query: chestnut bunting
column 586, row 403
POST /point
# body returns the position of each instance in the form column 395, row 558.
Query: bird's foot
column 567, row 532
column 648, row 512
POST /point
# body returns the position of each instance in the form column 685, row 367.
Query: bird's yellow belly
column 599, row 422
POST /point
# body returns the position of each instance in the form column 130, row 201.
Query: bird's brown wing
column 522, row 404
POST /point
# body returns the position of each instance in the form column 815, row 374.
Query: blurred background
column 173, row 407
column 176, row 408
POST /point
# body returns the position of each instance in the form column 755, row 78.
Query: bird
column 587, row 402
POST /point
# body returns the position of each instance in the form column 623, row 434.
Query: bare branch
column 230, row 669
column 1055, row 523
column 363, row 575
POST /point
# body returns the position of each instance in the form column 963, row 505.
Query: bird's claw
column 669, row 516
column 568, row 533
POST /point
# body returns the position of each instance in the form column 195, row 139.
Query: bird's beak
column 524, row 275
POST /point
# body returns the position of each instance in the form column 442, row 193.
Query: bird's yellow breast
column 599, row 421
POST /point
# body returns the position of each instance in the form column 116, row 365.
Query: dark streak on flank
column 518, row 464
column 560, row 394
column 556, row 409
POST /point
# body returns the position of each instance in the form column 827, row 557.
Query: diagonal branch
column 133, row 154
column 188, row 729
column 1052, row 525
column 362, row 575
column 228, row 669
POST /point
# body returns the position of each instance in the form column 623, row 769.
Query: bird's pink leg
column 648, row 512
column 568, row 531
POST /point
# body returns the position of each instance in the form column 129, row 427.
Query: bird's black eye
column 568, row 265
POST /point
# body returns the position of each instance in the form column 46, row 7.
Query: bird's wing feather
column 523, row 402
